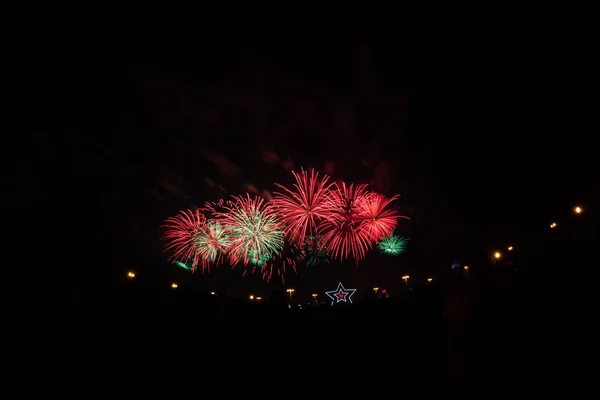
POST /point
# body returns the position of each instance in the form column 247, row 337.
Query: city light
column 406, row 278
column 290, row 291
column 510, row 248
column 251, row 297
column 497, row 255
column 131, row 274
column 314, row 296
column 212, row 293
column 466, row 268
column 429, row 280
column 553, row 225
column 375, row 289
column 174, row 285
column 578, row 210
column 258, row 298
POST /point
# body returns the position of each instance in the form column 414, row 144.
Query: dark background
column 487, row 143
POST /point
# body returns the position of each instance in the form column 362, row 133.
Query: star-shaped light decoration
column 341, row 294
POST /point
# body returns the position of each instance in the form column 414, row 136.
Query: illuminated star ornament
column 341, row 294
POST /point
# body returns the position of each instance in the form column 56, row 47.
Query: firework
column 279, row 263
column 315, row 251
column 343, row 230
column 182, row 265
column 305, row 206
column 212, row 241
column 393, row 245
column 254, row 233
column 376, row 215
column 181, row 232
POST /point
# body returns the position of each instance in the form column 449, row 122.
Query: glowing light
column 553, row 225
column 212, row 293
column 131, row 274
column 290, row 291
column 340, row 294
column 466, row 267
column 174, row 285
column 406, row 278
column 259, row 298
column 251, row 297
column 375, row 288
column 393, row 245
column 510, row 248
column 429, row 280
column 497, row 255
column 578, row 210
column 182, row 265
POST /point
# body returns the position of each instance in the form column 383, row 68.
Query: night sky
column 484, row 147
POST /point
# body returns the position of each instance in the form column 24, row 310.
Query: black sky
column 483, row 146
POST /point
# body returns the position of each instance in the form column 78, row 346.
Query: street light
column 375, row 289
column 251, row 297
column 314, row 296
column 405, row 278
column 212, row 293
column 290, row 291
column 510, row 248
column 553, row 225
column 466, row 268
column 174, row 285
column 131, row 275
column 429, row 280
column 497, row 255
column 259, row 299
column 578, row 210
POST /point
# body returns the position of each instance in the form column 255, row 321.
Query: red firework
column 181, row 232
column 343, row 230
column 303, row 208
column 378, row 218
column 254, row 231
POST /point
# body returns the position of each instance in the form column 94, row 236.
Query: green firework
column 393, row 245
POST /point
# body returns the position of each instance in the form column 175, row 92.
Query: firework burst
column 343, row 230
column 303, row 208
column 181, row 233
column 376, row 215
column 393, row 245
column 254, row 232
column 314, row 251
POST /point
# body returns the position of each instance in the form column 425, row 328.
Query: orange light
column 174, row 285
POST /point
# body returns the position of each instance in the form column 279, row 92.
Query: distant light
column 510, row 248
column 429, row 279
column 259, row 298
column 578, row 210
column 497, row 255
column 131, row 274
column 375, row 288
column 251, row 297
column 174, row 285
column 553, row 225
column 384, row 291
column 466, row 267
column 212, row 293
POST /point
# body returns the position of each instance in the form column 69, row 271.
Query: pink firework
column 376, row 215
column 303, row 208
column 342, row 230
column 181, row 233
